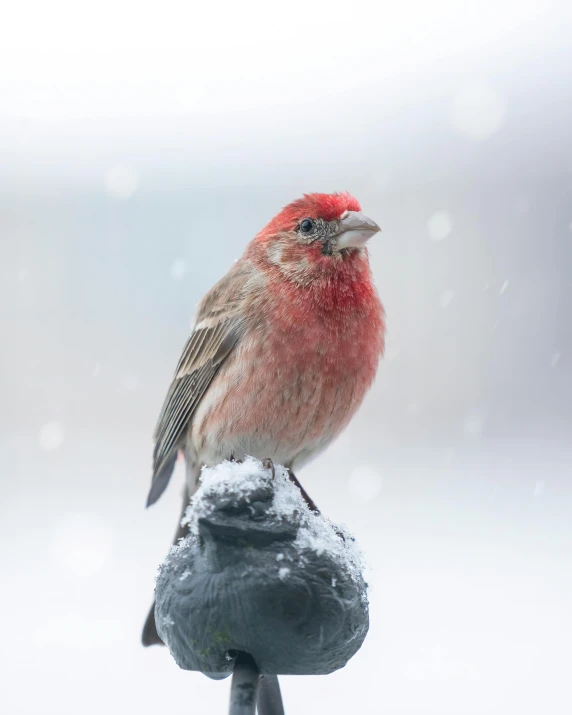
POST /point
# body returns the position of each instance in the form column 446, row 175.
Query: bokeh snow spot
column 539, row 488
column 555, row 359
column 178, row 269
column 474, row 423
column 478, row 111
column 365, row 483
column 82, row 544
column 446, row 298
column 440, row 225
column 22, row 275
column 121, row 182
column 51, row 436
column 503, row 287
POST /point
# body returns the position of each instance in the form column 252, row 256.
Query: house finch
column 283, row 350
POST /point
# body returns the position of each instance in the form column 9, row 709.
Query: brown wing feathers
column 202, row 356
column 220, row 323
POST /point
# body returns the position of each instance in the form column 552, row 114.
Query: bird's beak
column 355, row 230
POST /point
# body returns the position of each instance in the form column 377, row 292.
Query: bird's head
column 316, row 232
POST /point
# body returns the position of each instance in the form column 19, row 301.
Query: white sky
column 125, row 59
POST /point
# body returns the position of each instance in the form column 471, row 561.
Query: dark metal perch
column 260, row 587
column 244, row 686
column 269, row 696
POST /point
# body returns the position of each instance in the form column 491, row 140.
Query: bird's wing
column 218, row 328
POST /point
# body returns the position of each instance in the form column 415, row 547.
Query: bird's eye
column 306, row 225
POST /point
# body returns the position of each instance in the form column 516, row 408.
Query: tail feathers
column 150, row 636
column 161, row 478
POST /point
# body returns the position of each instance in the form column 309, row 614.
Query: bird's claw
column 269, row 464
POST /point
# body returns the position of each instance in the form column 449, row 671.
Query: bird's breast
column 292, row 384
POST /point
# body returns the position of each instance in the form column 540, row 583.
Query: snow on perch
column 315, row 531
column 261, row 573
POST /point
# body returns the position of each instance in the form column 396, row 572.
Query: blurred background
column 141, row 146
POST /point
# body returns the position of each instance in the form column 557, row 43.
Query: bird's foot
column 309, row 501
column 269, row 464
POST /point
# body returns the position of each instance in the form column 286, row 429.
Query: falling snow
column 474, row 423
column 478, row 111
column 121, row 182
column 440, row 225
column 446, row 298
column 178, row 269
column 503, row 287
column 413, row 408
column 51, row 436
column 364, row 483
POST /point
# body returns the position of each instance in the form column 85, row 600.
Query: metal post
column 269, row 696
column 244, row 686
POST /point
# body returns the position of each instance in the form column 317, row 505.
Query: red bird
column 283, row 350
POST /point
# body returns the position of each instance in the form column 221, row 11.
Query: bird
column 283, row 350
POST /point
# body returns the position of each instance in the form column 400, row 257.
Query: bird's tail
column 150, row 635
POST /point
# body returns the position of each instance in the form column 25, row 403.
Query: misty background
column 140, row 150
